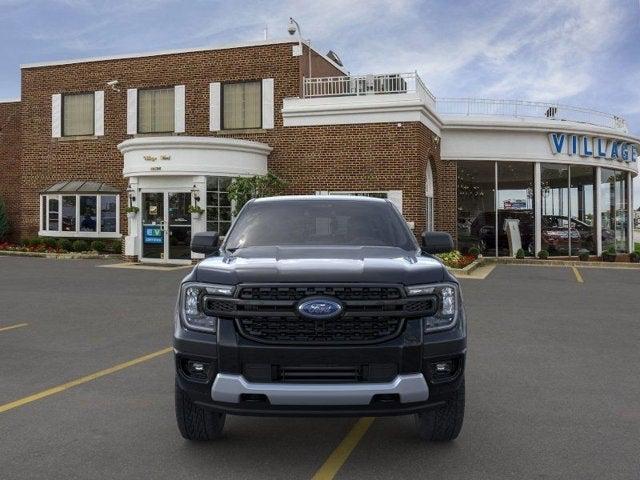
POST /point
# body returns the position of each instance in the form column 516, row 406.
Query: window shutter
column 395, row 197
column 56, row 115
column 215, row 112
column 179, row 99
column 98, row 112
column 132, row 111
column 267, row 103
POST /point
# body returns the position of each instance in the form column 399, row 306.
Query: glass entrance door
column 166, row 226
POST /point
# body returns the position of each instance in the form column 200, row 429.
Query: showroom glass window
column 241, row 105
column 476, row 206
column 156, row 110
column 515, row 205
column 76, row 214
column 78, row 114
column 614, row 214
column 554, row 202
column 582, row 209
column 218, row 205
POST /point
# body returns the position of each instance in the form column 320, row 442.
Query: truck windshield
column 319, row 222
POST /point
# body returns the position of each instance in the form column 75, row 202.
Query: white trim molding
column 215, row 110
column 56, row 115
column 183, row 155
column 179, row 109
column 132, row 111
column 268, row 107
column 391, row 108
column 98, row 113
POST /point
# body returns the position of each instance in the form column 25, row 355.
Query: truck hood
column 320, row 264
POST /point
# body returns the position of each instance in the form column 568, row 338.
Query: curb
column 60, row 256
column 469, row 268
column 563, row 263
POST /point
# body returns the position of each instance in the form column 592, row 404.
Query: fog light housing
column 196, row 370
column 443, row 369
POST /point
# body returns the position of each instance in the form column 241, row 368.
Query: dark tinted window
column 320, row 222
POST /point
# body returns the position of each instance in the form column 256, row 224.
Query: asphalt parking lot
column 553, row 386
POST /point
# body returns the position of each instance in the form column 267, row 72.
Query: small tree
column 4, row 221
column 243, row 189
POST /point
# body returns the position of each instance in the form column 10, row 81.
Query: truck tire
column 442, row 424
column 195, row 422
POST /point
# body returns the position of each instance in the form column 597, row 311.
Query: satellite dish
column 334, row 56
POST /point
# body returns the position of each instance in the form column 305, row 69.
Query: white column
column 200, row 224
column 132, row 245
column 630, row 211
column 537, row 203
column 598, row 210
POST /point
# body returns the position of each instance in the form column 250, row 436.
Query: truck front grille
column 268, row 313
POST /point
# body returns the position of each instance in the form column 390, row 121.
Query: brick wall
column 9, row 161
column 340, row 157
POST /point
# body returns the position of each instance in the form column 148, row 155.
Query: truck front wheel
column 195, row 422
column 444, row 423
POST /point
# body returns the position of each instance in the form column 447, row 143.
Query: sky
column 577, row 52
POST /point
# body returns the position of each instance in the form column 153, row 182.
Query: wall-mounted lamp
column 132, row 194
column 195, row 193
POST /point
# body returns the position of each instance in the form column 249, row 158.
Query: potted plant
column 195, row 211
column 610, row 254
column 583, row 255
column 132, row 211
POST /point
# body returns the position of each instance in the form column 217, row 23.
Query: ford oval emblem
column 320, row 308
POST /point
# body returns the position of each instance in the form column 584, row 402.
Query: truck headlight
column 447, row 313
column 191, row 305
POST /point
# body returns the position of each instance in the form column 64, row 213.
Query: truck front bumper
column 235, row 385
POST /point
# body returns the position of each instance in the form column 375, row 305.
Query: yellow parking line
column 81, row 380
column 337, row 458
column 11, row 327
column 576, row 272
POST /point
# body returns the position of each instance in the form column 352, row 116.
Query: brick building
column 163, row 131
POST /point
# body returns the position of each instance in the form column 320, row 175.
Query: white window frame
column 46, row 232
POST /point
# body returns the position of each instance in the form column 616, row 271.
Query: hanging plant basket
column 195, row 211
column 132, row 212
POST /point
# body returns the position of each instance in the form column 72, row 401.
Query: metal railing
column 526, row 109
column 355, row 85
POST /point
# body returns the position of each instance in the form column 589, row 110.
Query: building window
column 477, row 206
column 614, row 209
column 218, row 205
column 241, row 105
column 516, row 222
column 156, row 110
column 78, row 216
column 78, row 114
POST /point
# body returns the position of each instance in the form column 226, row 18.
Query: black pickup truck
column 320, row 306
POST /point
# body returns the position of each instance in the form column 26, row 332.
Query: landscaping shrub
column 520, row 254
column 98, row 246
column 474, row 251
column 543, row 254
column 65, row 244
column 25, row 242
column 610, row 254
column 115, row 246
column 35, row 241
column 634, row 257
column 50, row 242
column 583, row 254
column 80, row 246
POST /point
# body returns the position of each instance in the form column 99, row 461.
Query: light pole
column 292, row 29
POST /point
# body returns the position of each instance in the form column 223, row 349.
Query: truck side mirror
column 207, row 243
column 436, row 242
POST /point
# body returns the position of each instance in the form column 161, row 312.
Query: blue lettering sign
column 624, row 151
column 557, row 142
column 601, row 147
column 573, row 146
column 586, row 147
column 153, row 234
column 634, row 153
column 614, row 150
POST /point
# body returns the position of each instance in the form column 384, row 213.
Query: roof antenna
column 266, row 32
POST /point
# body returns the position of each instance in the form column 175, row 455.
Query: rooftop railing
column 399, row 83
column 356, row 85
column 526, row 109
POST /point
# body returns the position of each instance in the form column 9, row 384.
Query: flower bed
column 455, row 259
column 50, row 245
